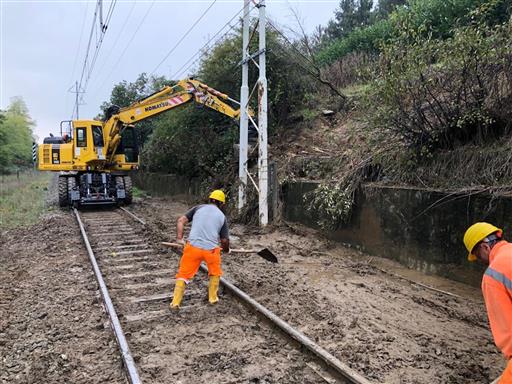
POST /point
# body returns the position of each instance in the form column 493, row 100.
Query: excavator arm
column 165, row 99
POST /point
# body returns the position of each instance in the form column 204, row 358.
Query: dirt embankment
column 388, row 329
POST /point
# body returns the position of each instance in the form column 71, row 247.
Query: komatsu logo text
column 156, row 106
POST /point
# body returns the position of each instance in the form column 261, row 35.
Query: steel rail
column 332, row 362
column 129, row 363
column 132, row 215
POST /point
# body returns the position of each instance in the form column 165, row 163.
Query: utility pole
column 244, row 104
column 262, row 120
column 261, row 127
column 77, row 93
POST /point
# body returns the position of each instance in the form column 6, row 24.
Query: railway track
column 237, row 341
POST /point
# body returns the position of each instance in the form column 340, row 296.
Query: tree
column 15, row 136
column 363, row 15
column 124, row 93
column 347, row 18
column 197, row 142
column 385, row 7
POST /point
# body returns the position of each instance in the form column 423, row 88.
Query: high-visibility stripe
column 34, row 152
column 500, row 277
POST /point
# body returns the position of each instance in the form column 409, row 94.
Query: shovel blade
column 267, row 255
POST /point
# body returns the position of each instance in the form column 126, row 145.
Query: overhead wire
column 77, row 50
column 88, row 67
column 127, row 45
column 311, row 67
column 299, row 52
column 91, row 34
column 109, row 14
column 201, row 51
column 100, row 70
column 104, row 27
column 184, row 36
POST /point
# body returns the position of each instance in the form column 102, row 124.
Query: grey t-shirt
column 208, row 225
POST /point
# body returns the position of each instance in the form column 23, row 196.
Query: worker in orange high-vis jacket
column 209, row 229
column 485, row 243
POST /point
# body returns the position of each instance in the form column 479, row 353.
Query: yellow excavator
column 94, row 157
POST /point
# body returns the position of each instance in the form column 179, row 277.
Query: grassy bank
column 22, row 199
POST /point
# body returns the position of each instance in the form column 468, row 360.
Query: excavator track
column 235, row 341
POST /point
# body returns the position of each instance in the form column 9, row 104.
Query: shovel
column 265, row 252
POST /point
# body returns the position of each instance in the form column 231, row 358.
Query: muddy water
column 385, row 327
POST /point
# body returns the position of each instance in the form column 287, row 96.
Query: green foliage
column 385, row 7
column 198, row 142
column 419, row 19
column 124, row 93
column 22, row 199
column 331, row 203
column 441, row 93
column 15, row 137
column 286, row 82
column 350, row 16
column 366, row 39
column 191, row 141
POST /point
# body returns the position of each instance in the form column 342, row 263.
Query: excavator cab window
column 129, row 145
column 81, row 137
column 97, row 135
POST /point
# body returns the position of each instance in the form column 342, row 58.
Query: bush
column 431, row 19
column 366, row 39
column 443, row 93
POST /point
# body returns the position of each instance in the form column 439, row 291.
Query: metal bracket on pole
column 251, row 57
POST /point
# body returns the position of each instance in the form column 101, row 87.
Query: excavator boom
column 164, row 100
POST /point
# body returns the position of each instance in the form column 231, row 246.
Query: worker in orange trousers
column 485, row 243
column 209, row 227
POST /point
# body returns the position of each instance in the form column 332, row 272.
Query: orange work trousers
column 506, row 376
column 192, row 258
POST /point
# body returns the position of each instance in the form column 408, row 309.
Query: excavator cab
column 128, row 145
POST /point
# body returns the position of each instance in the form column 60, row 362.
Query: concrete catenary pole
column 262, row 120
column 244, row 100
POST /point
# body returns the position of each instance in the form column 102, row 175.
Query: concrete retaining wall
column 167, row 185
column 421, row 229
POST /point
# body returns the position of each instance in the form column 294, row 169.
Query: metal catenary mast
column 261, row 126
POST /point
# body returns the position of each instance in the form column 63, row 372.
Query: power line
column 184, row 36
column 87, row 67
column 89, row 43
column 127, row 45
column 202, row 50
column 104, row 27
column 117, row 38
column 77, row 52
column 308, row 59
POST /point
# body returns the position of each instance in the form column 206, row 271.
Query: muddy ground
column 389, row 330
column 53, row 329
column 52, row 326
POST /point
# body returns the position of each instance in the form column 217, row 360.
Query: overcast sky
column 43, row 46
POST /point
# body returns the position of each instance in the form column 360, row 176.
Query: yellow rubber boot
column 213, row 287
column 179, row 290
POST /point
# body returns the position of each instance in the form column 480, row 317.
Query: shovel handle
column 173, row 245
column 177, row 245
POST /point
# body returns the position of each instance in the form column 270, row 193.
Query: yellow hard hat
column 476, row 233
column 218, row 195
